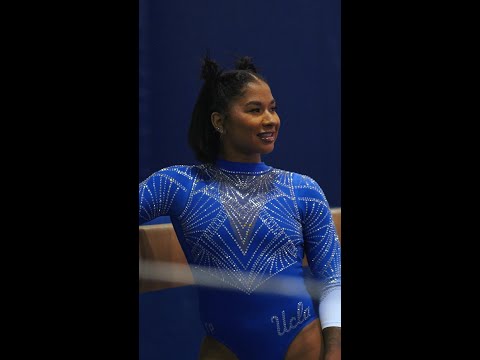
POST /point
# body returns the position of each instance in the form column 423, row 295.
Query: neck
column 243, row 167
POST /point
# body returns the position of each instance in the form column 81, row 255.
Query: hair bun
column 245, row 63
column 210, row 69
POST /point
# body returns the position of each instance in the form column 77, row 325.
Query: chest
column 246, row 214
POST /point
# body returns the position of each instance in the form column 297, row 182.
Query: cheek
column 244, row 127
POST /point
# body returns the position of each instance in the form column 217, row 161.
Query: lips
column 266, row 136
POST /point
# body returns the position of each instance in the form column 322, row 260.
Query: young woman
column 247, row 226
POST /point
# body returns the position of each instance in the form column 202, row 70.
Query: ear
column 217, row 121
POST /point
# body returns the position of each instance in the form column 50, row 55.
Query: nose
column 270, row 119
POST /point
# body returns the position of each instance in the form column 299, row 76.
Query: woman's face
column 251, row 126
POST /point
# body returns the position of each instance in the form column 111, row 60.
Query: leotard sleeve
column 164, row 192
column 322, row 248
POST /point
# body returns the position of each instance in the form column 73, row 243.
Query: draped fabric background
column 295, row 45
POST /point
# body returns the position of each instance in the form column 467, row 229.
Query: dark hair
column 219, row 89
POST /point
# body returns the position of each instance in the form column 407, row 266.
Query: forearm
column 332, row 339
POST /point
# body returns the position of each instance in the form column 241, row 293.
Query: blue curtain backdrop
column 296, row 46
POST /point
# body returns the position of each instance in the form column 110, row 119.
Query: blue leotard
column 247, row 226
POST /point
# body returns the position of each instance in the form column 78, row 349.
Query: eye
column 256, row 110
column 273, row 109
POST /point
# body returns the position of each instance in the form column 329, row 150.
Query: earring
column 219, row 130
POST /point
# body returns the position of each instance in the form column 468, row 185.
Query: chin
column 267, row 151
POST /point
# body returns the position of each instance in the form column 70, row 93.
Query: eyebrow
column 258, row 103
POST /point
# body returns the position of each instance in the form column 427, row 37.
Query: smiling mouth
column 267, row 136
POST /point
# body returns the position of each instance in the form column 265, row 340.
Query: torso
column 245, row 231
column 307, row 345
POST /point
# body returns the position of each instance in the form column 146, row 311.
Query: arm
column 163, row 193
column 323, row 253
column 332, row 340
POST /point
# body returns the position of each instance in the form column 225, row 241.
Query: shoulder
column 175, row 173
column 302, row 181
column 179, row 170
column 298, row 180
column 303, row 185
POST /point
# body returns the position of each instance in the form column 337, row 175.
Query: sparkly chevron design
column 230, row 226
column 242, row 228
